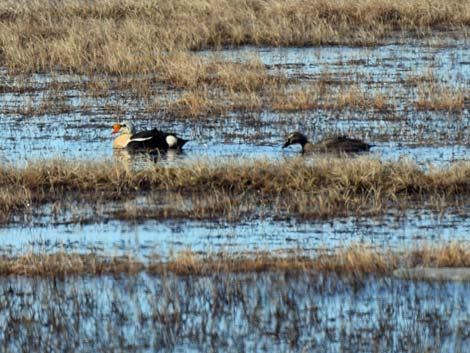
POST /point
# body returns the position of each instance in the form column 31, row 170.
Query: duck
column 146, row 140
column 335, row 144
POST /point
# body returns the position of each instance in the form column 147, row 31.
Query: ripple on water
column 164, row 237
column 266, row 312
column 423, row 136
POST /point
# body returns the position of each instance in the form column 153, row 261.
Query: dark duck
column 334, row 144
column 148, row 140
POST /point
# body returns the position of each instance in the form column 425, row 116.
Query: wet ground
column 236, row 313
column 82, row 129
column 145, row 238
column 271, row 312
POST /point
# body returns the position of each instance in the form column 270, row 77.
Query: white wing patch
column 171, row 141
column 141, row 139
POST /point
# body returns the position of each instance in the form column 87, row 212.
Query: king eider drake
column 335, row 144
column 145, row 140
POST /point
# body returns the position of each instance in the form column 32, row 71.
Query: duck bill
column 287, row 143
column 116, row 128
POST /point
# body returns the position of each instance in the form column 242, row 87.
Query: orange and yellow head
column 116, row 128
column 124, row 128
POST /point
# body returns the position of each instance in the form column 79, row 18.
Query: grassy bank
column 355, row 260
column 140, row 36
column 144, row 51
column 284, row 309
column 232, row 190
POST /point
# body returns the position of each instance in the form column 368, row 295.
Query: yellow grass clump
column 121, row 37
column 434, row 98
column 235, row 189
column 354, row 260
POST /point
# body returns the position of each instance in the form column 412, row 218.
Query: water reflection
column 266, row 312
column 395, row 231
column 431, row 135
column 140, row 159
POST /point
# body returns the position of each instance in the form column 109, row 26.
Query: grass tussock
column 188, row 85
column 351, row 97
column 451, row 255
column 137, row 36
column 358, row 175
column 437, row 98
column 234, row 189
column 355, row 260
column 217, row 89
column 63, row 264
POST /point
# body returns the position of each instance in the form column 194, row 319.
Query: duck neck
column 121, row 141
column 128, row 132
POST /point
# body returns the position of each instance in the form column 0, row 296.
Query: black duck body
column 334, row 144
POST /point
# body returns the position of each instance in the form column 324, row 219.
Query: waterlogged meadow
column 234, row 243
column 268, row 313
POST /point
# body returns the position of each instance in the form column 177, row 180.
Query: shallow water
column 448, row 61
column 265, row 312
column 83, row 129
column 144, row 238
column 35, row 141
column 259, row 313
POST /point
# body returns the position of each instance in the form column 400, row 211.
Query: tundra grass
column 233, row 190
column 353, row 260
column 273, row 310
column 140, row 36
column 225, row 89
column 137, row 49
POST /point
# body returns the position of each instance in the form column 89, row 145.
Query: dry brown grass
column 439, row 98
column 205, row 87
column 356, row 98
column 208, row 103
column 139, row 48
column 298, row 99
column 139, row 36
column 230, row 88
column 354, row 260
column 452, row 255
column 234, row 189
column 63, row 264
